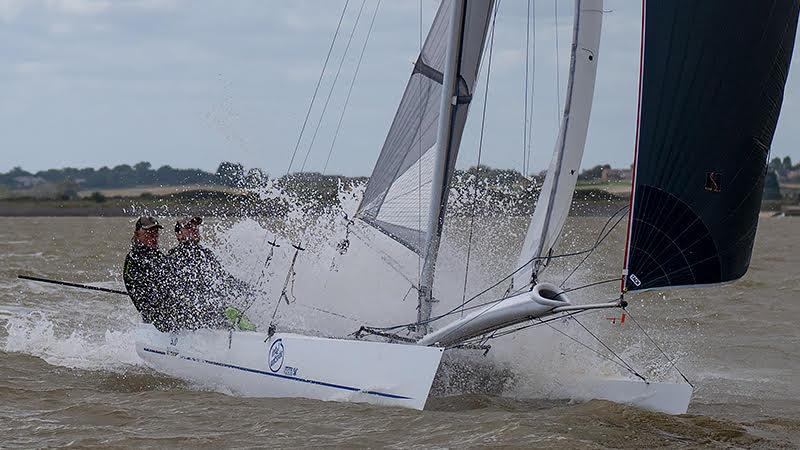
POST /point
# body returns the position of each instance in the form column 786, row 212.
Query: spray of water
column 334, row 288
column 84, row 348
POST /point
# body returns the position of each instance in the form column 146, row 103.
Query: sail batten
column 556, row 194
column 711, row 88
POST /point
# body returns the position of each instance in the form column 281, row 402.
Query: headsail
column 556, row 194
column 711, row 88
column 398, row 195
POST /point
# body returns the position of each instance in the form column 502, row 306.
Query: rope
column 290, row 274
column 572, row 315
column 610, row 350
column 672, row 361
column 600, row 238
column 316, row 88
column 391, row 262
column 478, row 164
column 619, row 361
column 352, row 83
column 419, row 151
column 595, row 351
column 333, row 85
column 273, row 243
column 497, row 334
column 525, row 146
column 558, row 68
column 314, row 308
column 531, row 24
column 498, row 283
column 596, row 283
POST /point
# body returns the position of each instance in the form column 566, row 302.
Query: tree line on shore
column 495, row 186
column 144, row 174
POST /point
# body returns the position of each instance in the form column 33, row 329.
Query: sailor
column 146, row 274
column 201, row 284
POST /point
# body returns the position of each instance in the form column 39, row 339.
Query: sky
column 88, row 83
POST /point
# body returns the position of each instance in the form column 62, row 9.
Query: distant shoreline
column 586, row 203
column 113, row 208
column 69, row 208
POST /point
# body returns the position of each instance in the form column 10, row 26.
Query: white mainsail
column 556, row 194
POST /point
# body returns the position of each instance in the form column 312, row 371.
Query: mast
column 555, row 197
column 441, row 180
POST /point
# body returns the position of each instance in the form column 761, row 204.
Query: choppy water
column 69, row 374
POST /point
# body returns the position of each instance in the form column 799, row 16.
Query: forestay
column 556, row 194
column 398, row 195
column 711, row 88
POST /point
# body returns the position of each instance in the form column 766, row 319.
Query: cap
column 147, row 223
column 188, row 222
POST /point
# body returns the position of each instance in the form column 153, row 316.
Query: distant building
column 608, row 174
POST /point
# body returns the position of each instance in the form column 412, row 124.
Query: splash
column 342, row 276
column 331, row 292
column 36, row 335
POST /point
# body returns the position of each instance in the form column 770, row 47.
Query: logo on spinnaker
column 276, row 356
column 635, row 280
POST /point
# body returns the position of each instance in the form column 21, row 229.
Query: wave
column 36, row 335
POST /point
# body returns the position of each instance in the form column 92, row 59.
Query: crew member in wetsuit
column 147, row 274
column 202, row 285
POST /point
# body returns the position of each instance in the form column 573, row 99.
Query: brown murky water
column 69, row 374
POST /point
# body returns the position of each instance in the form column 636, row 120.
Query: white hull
column 668, row 398
column 291, row 365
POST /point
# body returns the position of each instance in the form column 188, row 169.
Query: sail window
column 713, row 182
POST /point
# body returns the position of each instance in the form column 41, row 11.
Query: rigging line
column 273, row 244
column 498, row 283
column 478, row 165
column 558, row 68
column 419, row 158
column 316, row 88
column 673, row 362
column 391, row 262
column 502, row 280
column 352, row 83
column 532, row 24
column 563, row 333
column 314, row 308
column 525, row 100
column 497, row 334
column 609, row 349
column 601, row 237
column 290, row 276
column 596, row 283
column 595, row 351
column 333, row 85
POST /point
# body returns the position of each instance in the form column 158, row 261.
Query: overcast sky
column 192, row 83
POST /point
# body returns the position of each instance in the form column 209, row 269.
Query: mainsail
column 397, row 198
column 559, row 185
column 711, row 87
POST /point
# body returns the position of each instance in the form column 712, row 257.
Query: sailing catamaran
column 711, row 86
